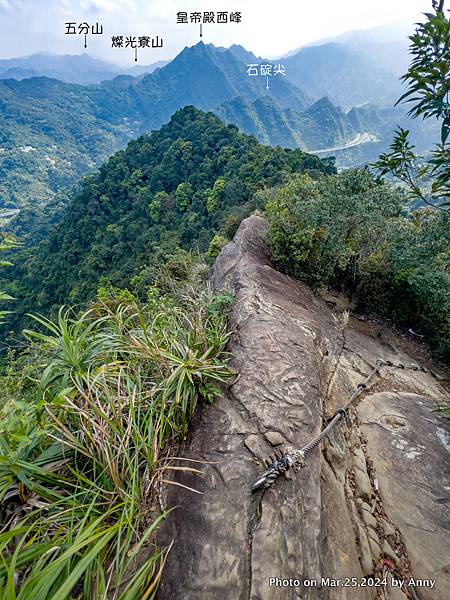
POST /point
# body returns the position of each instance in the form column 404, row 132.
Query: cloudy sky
column 268, row 28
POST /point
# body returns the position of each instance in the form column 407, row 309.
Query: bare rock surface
column 372, row 500
column 407, row 444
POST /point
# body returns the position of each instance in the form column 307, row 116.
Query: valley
column 104, row 116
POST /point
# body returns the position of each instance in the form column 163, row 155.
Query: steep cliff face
column 371, row 500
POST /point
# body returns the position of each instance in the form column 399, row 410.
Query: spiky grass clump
column 113, row 389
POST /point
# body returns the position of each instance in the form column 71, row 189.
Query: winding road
column 361, row 138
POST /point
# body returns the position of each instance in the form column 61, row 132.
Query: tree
column 183, row 195
column 216, row 245
column 428, row 81
column 216, row 195
column 155, row 205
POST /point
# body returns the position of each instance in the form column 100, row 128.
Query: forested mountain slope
column 49, row 137
column 176, row 187
column 321, row 125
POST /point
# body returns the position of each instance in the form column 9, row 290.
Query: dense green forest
column 189, row 185
column 49, row 138
column 174, row 188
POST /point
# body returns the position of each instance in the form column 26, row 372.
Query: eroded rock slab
column 406, row 441
column 296, row 365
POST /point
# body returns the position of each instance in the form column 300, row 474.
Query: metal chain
column 295, row 458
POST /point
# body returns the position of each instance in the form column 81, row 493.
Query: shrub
column 351, row 231
column 217, row 243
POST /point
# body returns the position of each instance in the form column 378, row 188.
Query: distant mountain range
column 347, row 76
column 52, row 132
column 396, row 32
column 355, row 67
column 82, row 69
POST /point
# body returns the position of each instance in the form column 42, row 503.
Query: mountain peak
column 324, row 104
column 198, row 49
column 324, row 101
column 242, row 53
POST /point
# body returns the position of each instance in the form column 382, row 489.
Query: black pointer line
column 135, row 55
column 201, row 30
column 85, row 40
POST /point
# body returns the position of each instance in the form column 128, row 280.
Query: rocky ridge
column 370, row 502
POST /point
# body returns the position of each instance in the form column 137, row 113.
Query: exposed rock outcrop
column 371, row 500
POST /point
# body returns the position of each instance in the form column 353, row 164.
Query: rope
column 295, row 458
